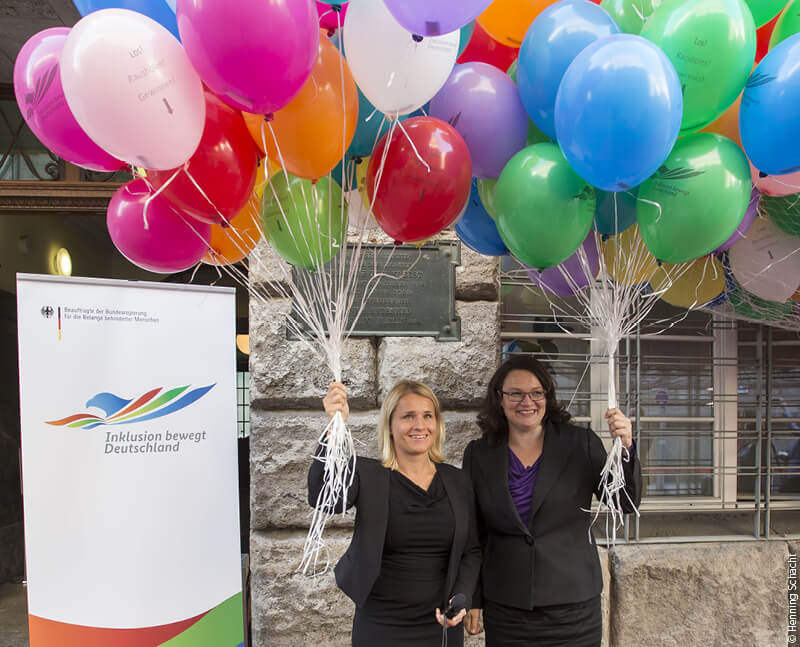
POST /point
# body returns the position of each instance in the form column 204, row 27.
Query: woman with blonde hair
column 415, row 546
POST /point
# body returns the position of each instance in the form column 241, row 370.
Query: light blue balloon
column 477, row 230
column 158, row 10
column 618, row 111
column 556, row 37
column 615, row 212
column 770, row 111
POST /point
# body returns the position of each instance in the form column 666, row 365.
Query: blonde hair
column 390, row 402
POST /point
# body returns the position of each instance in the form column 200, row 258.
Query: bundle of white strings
column 338, row 457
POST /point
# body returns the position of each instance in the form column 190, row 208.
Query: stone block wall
column 287, row 383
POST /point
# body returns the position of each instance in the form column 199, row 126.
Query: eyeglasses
column 519, row 396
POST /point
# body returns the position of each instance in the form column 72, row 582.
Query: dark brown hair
column 491, row 419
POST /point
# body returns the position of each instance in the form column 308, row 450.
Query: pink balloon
column 168, row 243
column 255, row 55
column 132, row 88
column 775, row 185
column 328, row 18
column 40, row 97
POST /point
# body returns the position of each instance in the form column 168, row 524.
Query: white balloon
column 358, row 214
column 766, row 261
column 132, row 89
column 396, row 73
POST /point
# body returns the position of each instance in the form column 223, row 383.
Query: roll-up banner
column 129, row 461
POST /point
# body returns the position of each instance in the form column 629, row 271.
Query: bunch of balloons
column 533, row 126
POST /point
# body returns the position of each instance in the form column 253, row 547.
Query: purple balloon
column 254, row 55
column 482, row 103
column 434, row 17
column 40, row 97
column 747, row 220
column 552, row 280
column 169, row 243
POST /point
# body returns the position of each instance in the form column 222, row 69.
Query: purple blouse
column 521, row 480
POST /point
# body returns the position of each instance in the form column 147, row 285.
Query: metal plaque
column 413, row 295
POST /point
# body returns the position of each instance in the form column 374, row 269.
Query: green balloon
column 486, row 194
column 788, row 24
column 784, row 212
column 712, row 44
column 703, row 189
column 535, row 135
column 543, row 209
column 630, row 15
column 304, row 220
column 765, row 10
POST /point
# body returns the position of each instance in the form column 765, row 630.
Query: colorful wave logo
column 119, row 411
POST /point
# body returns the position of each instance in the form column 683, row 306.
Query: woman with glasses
column 415, row 544
column 534, row 475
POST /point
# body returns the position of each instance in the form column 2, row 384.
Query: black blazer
column 360, row 566
column 551, row 560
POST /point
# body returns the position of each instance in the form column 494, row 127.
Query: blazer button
column 529, row 540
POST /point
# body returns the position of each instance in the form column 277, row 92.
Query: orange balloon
column 796, row 296
column 727, row 123
column 507, row 20
column 315, row 129
column 231, row 244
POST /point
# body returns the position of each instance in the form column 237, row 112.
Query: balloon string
column 655, row 204
column 203, row 193
column 414, row 148
column 156, row 193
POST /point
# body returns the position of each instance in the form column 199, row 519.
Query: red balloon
column 482, row 48
column 412, row 202
column 224, row 167
column 168, row 242
column 763, row 34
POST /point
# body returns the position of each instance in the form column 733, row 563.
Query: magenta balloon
column 434, row 17
column 40, row 97
column 170, row 242
column 255, row 55
column 744, row 225
column 552, row 280
column 328, row 18
column 482, row 103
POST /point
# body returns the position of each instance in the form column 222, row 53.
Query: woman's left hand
column 619, row 426
column 451, row 622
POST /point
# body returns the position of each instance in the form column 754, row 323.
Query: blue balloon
column 618, row 111
column 615, row 212
column 477, row 230
column 770, row 111
column 158, row 10
column 556, row 37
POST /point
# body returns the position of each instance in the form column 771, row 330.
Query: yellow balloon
column 691, row 284
column 627, row 259
column 265, row 170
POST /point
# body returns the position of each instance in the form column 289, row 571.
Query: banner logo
column 119, row 411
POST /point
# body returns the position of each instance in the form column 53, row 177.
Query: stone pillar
column 287, row 383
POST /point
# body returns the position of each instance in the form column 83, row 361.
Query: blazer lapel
column 555, row 453
column 461, row 514
column 496, row 465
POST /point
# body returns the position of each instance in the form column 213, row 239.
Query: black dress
column 400, row 610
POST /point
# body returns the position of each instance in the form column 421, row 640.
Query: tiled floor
column 13, row 616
